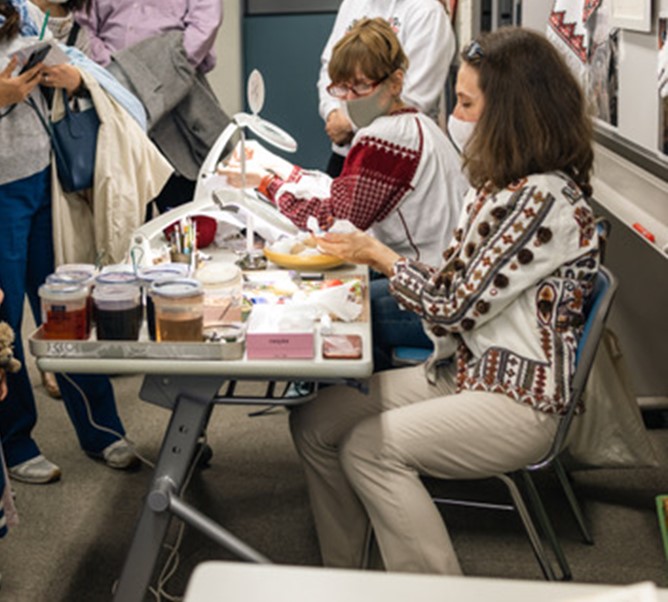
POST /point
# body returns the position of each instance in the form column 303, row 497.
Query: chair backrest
column 596, row 311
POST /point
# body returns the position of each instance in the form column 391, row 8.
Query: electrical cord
column 105, row 429
column 172, row 562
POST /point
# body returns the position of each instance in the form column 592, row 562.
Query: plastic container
column 77, row 267
column 222, row 284
column 64, row 311
column 149, row 275
column 118, row 311
column 122, row 273
column 81, row 277
column 179, row 306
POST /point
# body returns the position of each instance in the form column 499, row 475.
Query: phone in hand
column 37, row 56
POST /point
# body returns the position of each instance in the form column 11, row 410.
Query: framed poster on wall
column 631, row 14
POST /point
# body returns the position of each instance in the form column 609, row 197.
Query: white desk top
column 239, row 582
column 274, row 369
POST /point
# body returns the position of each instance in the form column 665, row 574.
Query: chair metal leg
column 534, row 538
column 546, row 526
column 572, row 501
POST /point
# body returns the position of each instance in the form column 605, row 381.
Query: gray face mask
column 362, row 111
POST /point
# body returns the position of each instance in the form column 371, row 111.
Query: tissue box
column 272, row 334
column 280, row 345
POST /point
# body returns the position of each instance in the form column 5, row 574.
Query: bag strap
column 74, row 32
column 47, row 127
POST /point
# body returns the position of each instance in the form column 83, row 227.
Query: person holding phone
column 26, row 259
column 15, row 89
column 507, row 298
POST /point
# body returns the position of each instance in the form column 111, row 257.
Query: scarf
column 28, row 27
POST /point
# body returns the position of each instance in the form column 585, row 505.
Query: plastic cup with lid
column 118, row 311
column 178, row 309
column 64, row 311
column 222, row 283
column 149, row 275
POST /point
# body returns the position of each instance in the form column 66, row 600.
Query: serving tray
column 141, row 349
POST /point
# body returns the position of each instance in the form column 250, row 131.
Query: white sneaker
column 37, row 471
column 119, row 455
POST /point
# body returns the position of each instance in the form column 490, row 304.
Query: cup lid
column 59, row 291
column 89, row 268
column 117, row 277
column 116, row 292
column 70, row 277
column 163, row 271
column 218, row 273
column 177, row 288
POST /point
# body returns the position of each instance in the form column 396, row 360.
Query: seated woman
column 400, row 170
column 509, row 299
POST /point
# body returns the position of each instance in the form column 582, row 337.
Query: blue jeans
column 26, row 259
column 392, row 326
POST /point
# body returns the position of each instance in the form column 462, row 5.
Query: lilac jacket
column 117, row 24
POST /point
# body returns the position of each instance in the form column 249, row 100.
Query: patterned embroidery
column 566, row 32
column 497, row 263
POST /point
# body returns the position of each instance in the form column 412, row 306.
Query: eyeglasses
column 362, row 89
column 474, row 52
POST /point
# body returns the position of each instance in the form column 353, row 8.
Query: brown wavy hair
column 535, row 117
column 12, row 25
column 371, row 45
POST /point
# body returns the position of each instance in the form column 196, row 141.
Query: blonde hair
column 370, row 46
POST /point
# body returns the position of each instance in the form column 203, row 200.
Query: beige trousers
column 363, row 455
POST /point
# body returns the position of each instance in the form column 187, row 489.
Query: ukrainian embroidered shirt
column 511, row 292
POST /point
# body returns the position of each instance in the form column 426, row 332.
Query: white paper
column 55, row 57
column 292, row 317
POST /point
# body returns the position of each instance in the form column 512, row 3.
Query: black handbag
column 74, row 143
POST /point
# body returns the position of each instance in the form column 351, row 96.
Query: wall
column 226, row 78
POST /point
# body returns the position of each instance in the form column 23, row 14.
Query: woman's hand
column 16, row 89
column 234, row 178
column 62, row 76
column 358, row 247
column 338, row 128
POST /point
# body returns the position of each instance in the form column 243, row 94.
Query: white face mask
column 460, row 131
column 362, row 111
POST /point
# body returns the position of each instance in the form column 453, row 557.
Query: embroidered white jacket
column 511, row 292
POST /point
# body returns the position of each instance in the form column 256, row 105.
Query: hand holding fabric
column 258, row 157
column 358, row 247
column 253, row 178
column 61, row 76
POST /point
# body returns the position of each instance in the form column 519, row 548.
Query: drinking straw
column 46, row 20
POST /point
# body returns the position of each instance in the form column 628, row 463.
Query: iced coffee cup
column 179, row 306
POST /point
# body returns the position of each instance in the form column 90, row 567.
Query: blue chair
column 596, row 311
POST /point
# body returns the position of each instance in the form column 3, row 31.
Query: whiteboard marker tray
column 141, row 349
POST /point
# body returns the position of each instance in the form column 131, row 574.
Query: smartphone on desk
column 342, row 347
column 36, row 56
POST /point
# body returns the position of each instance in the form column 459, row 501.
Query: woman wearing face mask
column 401, row 171
column 509, row 297
column 26, row 259
column 62, row 24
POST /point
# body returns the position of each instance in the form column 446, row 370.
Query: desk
column 190, row 388
column 237, row 582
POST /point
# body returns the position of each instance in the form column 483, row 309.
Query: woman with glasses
column 424, row 31
column 507, row 299
column 401, row 167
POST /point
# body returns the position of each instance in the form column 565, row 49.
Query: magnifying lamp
column 266, row 131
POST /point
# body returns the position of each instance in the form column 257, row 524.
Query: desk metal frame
column 190, row 389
